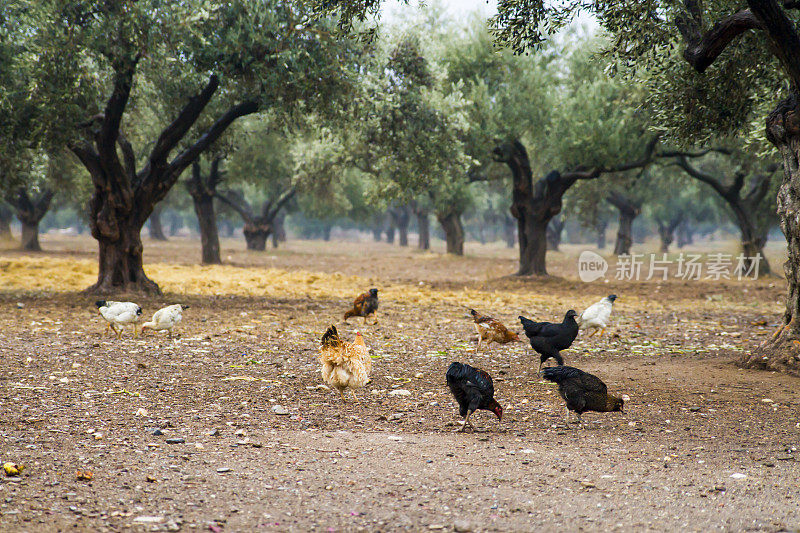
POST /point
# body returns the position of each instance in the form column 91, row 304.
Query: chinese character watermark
column 637, row 267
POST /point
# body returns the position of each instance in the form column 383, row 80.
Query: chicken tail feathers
column 530, row 327
column 557, row 374
column 331, row 337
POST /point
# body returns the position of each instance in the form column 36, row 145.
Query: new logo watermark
column 591, row 266
column 638, row 267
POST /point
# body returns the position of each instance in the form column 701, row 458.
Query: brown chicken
column 491, row 330
column 345, row 365
column 364, row 305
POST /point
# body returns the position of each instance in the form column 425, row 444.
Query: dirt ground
column 703, row 445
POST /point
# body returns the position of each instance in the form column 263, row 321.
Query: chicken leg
column 354, row 395
column 467, row 423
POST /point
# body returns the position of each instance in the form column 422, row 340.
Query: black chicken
column 582, row 391
column 549, row 338
column 473, row 390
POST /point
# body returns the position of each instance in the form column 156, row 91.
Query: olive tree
column 215, row 61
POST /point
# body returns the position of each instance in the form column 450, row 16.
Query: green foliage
column 729, row 99
column 407, row 136
column 65, row 56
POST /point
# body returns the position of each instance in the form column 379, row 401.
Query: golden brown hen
column 345, row 365
column 491, row 330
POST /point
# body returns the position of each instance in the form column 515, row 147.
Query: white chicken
column 166, row 318
column 119, row 314
column 596, row 315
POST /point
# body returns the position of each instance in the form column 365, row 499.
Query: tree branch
column 760, row 188
column 285, row 197
column 115, row 108
column 735, row 188
column 700, row 153
column 581, row 173
column 473, row 177
column 127, row 156
column 244, row 210
column 42, row 204
column 185, row 158
column 214, row 174
column 783, row 34
column 622, row 203
column 703, row 49
column 176, row 131
column 19, row 200
column 702, row 176
column 89, row 157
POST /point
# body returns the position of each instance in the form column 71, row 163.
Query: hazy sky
column 462, row 7
column 455, row 7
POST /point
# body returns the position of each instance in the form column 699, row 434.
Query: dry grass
column 64, row 274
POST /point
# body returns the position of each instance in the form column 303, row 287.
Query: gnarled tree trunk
column 453, row 232
column 257, row 229
column 684, row 234
column 255, row 235
column 202, row 193
column 423, row 226
column 326, row 232
column 30, row 237
column 753, row 236
column 228, row 228
column 390, row 231
column 782, row 351
column 401, row 216
column 175, row 222
column 279, row 229
column 535, row 205
column 532, row 205
column 666, row 230
column 156, row 230
column 123, row 197
column 30, row 210
column 600, row 228
column 6, row 214
column 554, row 231
column 628, row 211
column 509, row 231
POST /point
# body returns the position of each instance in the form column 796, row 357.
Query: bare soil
column 703, row 445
